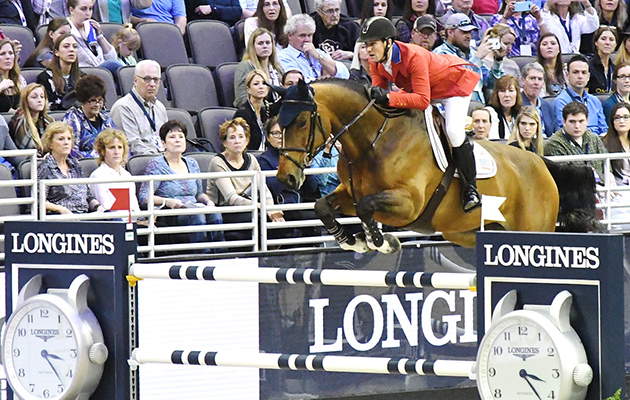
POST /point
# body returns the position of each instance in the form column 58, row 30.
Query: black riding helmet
column 377, row 28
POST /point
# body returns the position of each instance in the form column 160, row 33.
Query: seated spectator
column 64, row 199
column 93, row 48
column 577, row 80
column 376, row 8
column 611, row 13
column 62, row 73
column 140, row 114
column 6, row 143
column 236, row 191
column 424, row 32
column 118, row 11
column 169, row 11
column 465, row 7
column 617, row 141
column 126, row 41
column 28, row 124
column 556, row 12
column 261, row 55
column 505, row 104
column 623, row 53
column 89, row 119
column 272, row 16
column 575, row 138
column 327, row 183
column 481, row 123
column 228, row 11
column 302, row 55
column 533, row 81
column 11, row 81
column 527, row 132
column 49, row 10
column 601, row 66
column 256, row 110
column 112, row 148
column 413, row 10
column 269, row 161
column 43, row 54
column 335, row 34
column 249, row 8
column 548, row 55
column 529, row 26
column 621, row 82
column 291, row 77
column 506, row 36
column 360, row 68
column 186, row 193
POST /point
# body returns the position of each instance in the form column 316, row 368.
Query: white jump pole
column 330, row 277
column 297, row 362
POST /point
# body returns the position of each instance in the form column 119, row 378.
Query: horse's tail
column 576, row 187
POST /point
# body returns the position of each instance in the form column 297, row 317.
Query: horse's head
column 303, row 134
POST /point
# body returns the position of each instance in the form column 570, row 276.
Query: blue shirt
column 292, row 58
column 596, row 119
column 162, row 11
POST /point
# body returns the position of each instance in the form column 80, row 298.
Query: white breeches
column 455, row 111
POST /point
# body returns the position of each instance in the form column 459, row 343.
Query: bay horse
column 388, row 173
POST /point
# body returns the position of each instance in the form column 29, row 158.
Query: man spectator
column 117, row 11
column 291, row 78
column 465, row 7
column 577, row 79
column 335, row 34
column 18, row 12
column 481, row 123
column 302, row 55
column 533, row 81
column 228, row 11
column 458, row 38
column 49, row 9
column 140, row 114
column 424, row 32
column 170, row 11
column 575, row 138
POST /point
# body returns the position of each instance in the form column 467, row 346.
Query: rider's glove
column 379, row 95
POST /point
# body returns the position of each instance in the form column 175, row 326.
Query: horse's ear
column 303, row 88
column 278, row 89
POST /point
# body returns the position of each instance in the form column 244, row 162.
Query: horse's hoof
column 360, row 246
column 391, row 245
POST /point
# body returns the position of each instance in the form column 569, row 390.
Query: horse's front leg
column 324, row 208
column 376, row 240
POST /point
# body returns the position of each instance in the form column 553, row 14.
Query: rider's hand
column 379, row 95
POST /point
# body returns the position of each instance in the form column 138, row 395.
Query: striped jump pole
column 309, row 276
column 297, row 362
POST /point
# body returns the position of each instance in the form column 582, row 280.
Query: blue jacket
column 547, row 114
column 269, row 161
column 596, row 120
column 609, row 104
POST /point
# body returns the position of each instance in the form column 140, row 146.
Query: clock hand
column 534, row 377
column 45, row 355
column 523, row 374
column 54, row 356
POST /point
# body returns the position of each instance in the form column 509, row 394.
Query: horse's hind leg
column 376, row 240
column 324, row 208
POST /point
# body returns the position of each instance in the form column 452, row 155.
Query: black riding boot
column 465, row 163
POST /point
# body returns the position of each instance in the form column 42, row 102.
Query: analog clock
column 532, row 353
column 53, row 345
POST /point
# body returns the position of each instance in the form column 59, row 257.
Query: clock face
column 519, row 360
column 40, row 351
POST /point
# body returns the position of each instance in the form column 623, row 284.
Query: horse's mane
column 353, row 85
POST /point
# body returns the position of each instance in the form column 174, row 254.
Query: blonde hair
column 53, row 129
column 531, row 112
column 126, row 35
column 252, row 57
column 29, row 122
column 107, row 137
column 232, row 124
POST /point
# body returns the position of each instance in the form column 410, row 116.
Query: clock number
column 21, row 373
column 497, row 393
column 43, row 313
column 506, row 335
column 69, row 333
column 522, row 330
column 69, row 374
column 498, row 350
column 555, row 374
column 59, row 388
column 58, row 319
column 552, row 395
column 492, row 372
column 16, row 352
column 21, row 332
column 46, row 393
column 29, row 318
column 32, row 386
column 539, row 336
column 73, row 353
column 551, row 352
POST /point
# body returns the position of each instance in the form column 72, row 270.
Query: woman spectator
column 43, row 54
column 64, row 199
column 621, row 81
column 564, row 19
column 126, row 41
column 236, row 191
column 528, row 27
column 94, row 49
column 617, row 141
column 360, row 68
column 412, row 10
column 623, row 53
column 527, row 132
column 28, row 124
column 228, row 11
column 112, row 148
column 88, row 119
column 185, row 193
column 601, row 66
column 505, row 104
column 611, row 13
column 11, row 82
column 376, row 8
column 261, row 55
column 272, row 16
column 256, row 111
column 548, row 55
column 62, row 73
column 6, row 143
column 506, row 36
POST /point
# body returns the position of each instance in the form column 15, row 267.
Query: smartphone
column 494, row 43
column 523, row 6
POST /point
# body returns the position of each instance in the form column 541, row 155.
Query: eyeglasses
column 623, row 77
column 276, row 134
column 621, row 117
column 332, row 11
column 149, row 79
column 94, row 102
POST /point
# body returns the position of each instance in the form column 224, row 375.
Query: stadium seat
column 137, row 165
column 24, row 35
column 24, row 172
column 110, row 29
column 225, row 83
column 209, row 120
column 88, row 165
column 203, row 159
column 40, row 33
column 239, row 38
column 111, row 96
column 31, row 73
column 185, row 117
column 192, row 87
column 295, row 6
column 57, row 115
column 8, row 192
column 125, row 82
column 566, row 57
column 522, row 61
column 474, row 104
column 211, row 42
column 602, row 97
column 163, row 43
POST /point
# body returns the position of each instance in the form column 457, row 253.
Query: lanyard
column 144, row 110
column 520, row 28
column 575, row 145
column 608, row 77
column 567, row 27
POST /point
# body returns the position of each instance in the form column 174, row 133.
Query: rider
column 423, row 76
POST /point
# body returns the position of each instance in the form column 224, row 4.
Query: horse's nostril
column 291, row 181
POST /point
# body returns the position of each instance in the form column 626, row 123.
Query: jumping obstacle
column 309, row 276
column 297, row 362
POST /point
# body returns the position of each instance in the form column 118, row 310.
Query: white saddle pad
column 485, row 164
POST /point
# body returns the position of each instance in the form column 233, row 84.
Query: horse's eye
column 302, row 124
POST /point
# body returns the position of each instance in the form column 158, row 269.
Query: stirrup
column 471, row 200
